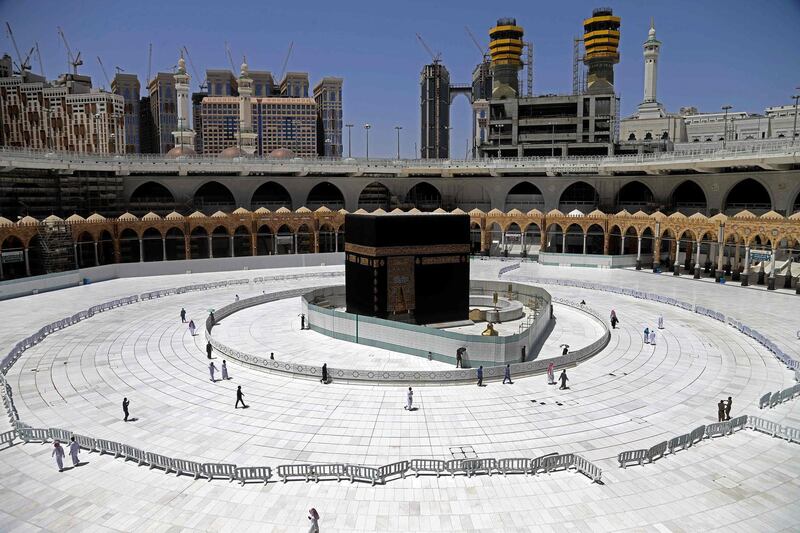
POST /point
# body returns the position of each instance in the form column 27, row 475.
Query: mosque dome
column 232, row 152
column 282, row 153
column 181, row 151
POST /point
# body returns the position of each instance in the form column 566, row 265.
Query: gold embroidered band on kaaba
column 384, row 251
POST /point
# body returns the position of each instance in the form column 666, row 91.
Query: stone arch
column 635, row 196
column 327, row 238
column 305, row 239
column 242, row 242
column 554, row 242
column 271, row 195
column 579, row 195
column 105, row 247
column 152, row 245
column 749, row 194
column 595, row 239
column 175, row 244
column 213, row 196
column 689, row 198
column 265, row 240
column 85, row 250
column 373, row 196
column 14, row 262
column 524, row 196
column 129, row 246
column 475, row 237
column 151, row 196
column 495, row 235
column 221, row 242
column 424, row 197
column 327, row 194
column 532, row 239
column 198, row 243
column 285, row 240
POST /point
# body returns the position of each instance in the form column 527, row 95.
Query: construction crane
column 105, row 74
column 119, row 69
column 204, row 82
column 230, row 57
column 74, row 61
column 286, row 60
column 23, row 64
column 149, row 63
column 483, row 51
column 39, row 59
column 437, row 57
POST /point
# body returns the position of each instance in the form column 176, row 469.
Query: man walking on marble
column 58, row 453
column 211, row 370
column 74, row 448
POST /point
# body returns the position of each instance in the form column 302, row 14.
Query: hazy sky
column 743, row 53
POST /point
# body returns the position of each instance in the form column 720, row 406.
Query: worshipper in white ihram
column 74, row 448
column 409, row 399
column 211, row 370
column 660, row 322
column 58, row 452
column 551, row 380
column 313, row 515
column 653, row 337
column 225, row 370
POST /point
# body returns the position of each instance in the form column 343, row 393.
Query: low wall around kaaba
column 410, row 268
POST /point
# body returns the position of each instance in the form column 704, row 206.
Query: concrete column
column 75, row 254
column 253, row 244
column 117, row 252
column 736, row 276
column 27, row 263
column 96, row 255
column 336, row 241
column 639, row 253
column 163, row 248
column 746, row 273
column 720, row 250
column 697, row 262
column 563, row 242
column 316, row 242
column 230, row 242
column 275, row 244
column 187, row 246
column 2, row 275
column 771, row 281
column 294, row 242
column 674, row 253
column 584, row 244
column 141, row 250
column 210, row 248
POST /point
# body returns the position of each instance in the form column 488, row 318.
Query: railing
column 772, row 399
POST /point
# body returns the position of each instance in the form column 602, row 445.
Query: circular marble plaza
column 630, row 395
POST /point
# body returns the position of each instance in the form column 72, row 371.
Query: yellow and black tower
column 505, row 46
column 601, row 42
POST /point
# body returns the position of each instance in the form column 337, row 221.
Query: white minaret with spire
column 650, row 108
column 247, row 136
column 184, row 136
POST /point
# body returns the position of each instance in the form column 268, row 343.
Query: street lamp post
column 366, row 128
column 794, row 125
column 349, row 140
column 725, row 125
column 398, row 128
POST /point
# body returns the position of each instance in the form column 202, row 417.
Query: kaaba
column 409, row 268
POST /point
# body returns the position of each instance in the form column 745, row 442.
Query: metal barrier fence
column 771, row 399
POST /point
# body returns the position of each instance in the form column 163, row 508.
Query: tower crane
column 23, row 64
column 481, row 50
column 286, row 60
column 230, row 57
column 74, row 61
column 105, row 74
column 204, row 82
column 437, row 57
column 149, row 63
column 39, row 59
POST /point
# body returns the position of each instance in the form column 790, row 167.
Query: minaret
column 246, row 135
column 184, row 136
column 652, row 47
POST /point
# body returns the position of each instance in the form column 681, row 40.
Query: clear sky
column 738, row 52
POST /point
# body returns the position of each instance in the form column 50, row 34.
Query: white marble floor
column 630, row 395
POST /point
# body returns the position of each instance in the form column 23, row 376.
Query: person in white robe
column 74, row 448
column 211, row 370
column 225, row 370
column 660, row 322
column 653, row 337
column 58, row 453
column 551, row 379
column 409, row 399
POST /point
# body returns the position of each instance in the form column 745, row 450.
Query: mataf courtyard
column 526, row 456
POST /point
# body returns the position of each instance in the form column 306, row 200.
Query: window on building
column 648, row 136
column 665, row 136
column 632, row 137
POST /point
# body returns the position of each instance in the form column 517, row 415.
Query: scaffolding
column 578, row 68
column 56, row 247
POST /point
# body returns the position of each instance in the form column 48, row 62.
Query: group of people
column 724, row 409
column 650, row 334
column 58, row 453
column 212, row 369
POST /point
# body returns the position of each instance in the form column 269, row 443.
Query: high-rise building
column 435, row 107
column 42, row 116
column 6, row 66
column 183, row 135
column 247, row 135
column 148, row 140
column 783, row 121
column 295, row 85
column 601, row 42
column 197, row 120
column 505, row 47
column 127, row 86
column 328, row 96
column 163, row 107
column 221, row 82
column 263, row 84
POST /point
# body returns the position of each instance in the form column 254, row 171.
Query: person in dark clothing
column 721, row 411
column 507, row 376
column 302, row 321
column 125, row 404
column 213, row 320
column 728, row 408
column 459, row 359
column 480, row 376
column 208, row 349
column 272, row 355
column 565, row 349
column 563, row 377
column 183, row 315
column 239, row 398
column 614, row 319
column 324, row 373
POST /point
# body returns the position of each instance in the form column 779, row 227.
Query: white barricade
column 588, row 469
column 514, row 465
column 134, row 454
column 631, row 456
column 557, row 462
column 475, row 466
column 790, row 434
column 681, row 442
column 764, row 401
column 393, row 469
column 718, row 429
column 696, row 435
column 657, row 451
column 764, row 426
column 331, row 470
column 454, row 466
column 434, row 466
column 251, row 473
column 294, row 471
column 737, row 423
column 61, row 435
column 87, row 443
column 775, row 399
column 786, row 394
column 7, row 437
column 109, row 446
column 362, row 473
column 214, row 470
column 158, row 461
column 182, row 466
column 29, row 434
